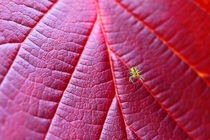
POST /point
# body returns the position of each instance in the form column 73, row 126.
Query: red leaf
column 64, row 69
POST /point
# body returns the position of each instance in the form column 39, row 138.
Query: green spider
column 135, row 74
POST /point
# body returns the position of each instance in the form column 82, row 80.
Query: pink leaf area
column 64, row 69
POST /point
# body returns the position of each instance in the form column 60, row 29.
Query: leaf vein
column 26, row 38
column 68, row 81
column 163, row 40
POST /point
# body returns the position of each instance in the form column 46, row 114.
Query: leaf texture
column 64, row 69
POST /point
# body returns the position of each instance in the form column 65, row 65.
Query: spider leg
column 141, row 78
column 130, row 70
column 140, row 71
column 130, row 79
column 137, row 68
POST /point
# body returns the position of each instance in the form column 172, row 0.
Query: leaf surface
column 64, row 69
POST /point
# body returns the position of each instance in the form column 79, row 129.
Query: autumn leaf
column 64, row 69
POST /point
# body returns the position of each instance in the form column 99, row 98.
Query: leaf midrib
column 112, row 71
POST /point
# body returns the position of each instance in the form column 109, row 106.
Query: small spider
column 135, row 74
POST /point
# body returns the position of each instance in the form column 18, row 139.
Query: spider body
column 135, row 73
